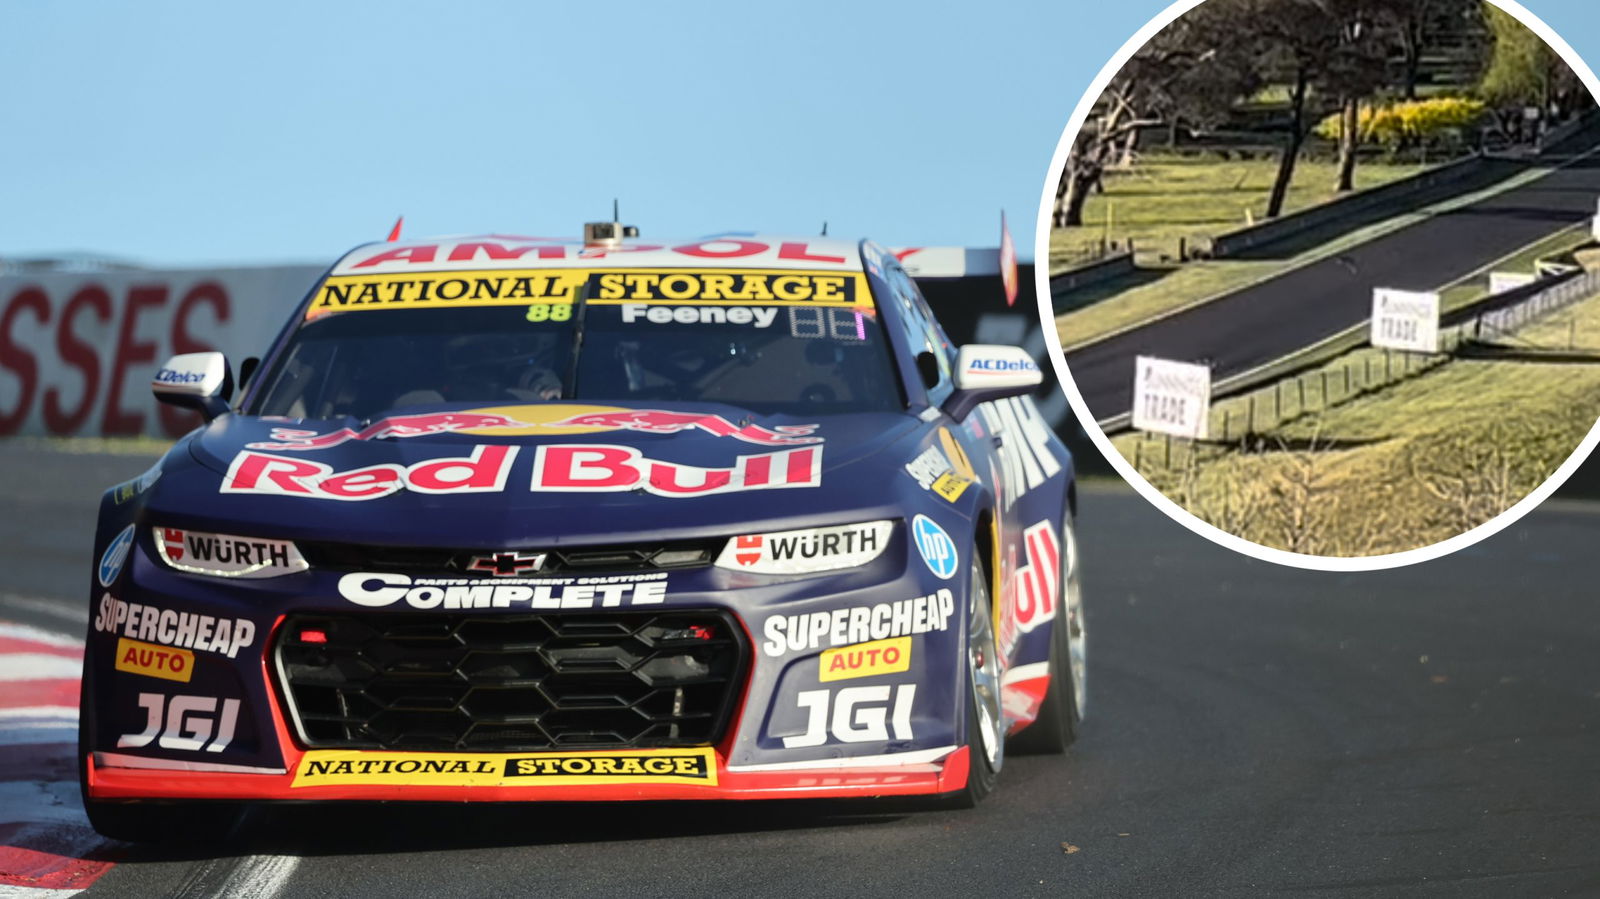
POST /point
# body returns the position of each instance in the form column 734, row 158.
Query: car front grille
column 665, row 556
column 520, row 682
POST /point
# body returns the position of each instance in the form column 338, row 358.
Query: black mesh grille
column 653, row 557
column 510, row 682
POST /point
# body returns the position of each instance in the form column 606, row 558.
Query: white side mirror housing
column 987, row 372
column 201, row 381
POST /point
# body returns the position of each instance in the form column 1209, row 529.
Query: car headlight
column 807, row 550
column 225, row 555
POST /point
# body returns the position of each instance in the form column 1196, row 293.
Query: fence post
column 1168, row 464
column 1138, row 454
column 1300, row 383
column 1251, row 427
column 1227, row 424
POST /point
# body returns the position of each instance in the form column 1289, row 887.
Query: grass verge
column 1408, row 466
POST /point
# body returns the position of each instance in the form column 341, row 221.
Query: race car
column 511, row 518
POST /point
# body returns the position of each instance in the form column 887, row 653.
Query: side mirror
column 200, row 381
column 985, row 372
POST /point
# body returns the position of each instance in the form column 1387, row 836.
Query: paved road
column 1259, row 324
column 1432, row 731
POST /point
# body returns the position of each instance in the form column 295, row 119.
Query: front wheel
column 986, row 743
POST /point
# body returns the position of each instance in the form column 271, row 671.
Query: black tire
column 1056, row 727
column 147, row 822
column 982, row 775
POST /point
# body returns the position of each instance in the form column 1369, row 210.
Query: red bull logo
column 397, row 426
column 648, row 421
column 658, row 421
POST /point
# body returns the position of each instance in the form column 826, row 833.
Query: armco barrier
column 1092, row 273
column 1267, row 232
column 78, row 349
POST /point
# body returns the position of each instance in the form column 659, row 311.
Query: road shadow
column 359, row 828
column 1088, row 295
column 1495, row 352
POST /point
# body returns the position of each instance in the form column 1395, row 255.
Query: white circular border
column 1041, row 274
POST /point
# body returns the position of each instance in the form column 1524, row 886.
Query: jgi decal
column 225, row 636
column 378, row 589
column 136, row 657
column 223, row 555
column 936, row 547
column 807, row 549
column 857, row 624
column 192, row 723
column 858, row 715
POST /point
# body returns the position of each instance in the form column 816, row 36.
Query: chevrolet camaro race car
column 510, row 518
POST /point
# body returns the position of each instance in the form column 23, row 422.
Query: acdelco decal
column 599, row 468
column 865, row 659
column 857, row 624
column 767, row 288
column 421, row 290
column 152, row 625
column 151, row 660
column 379, row 589
column 476, row 769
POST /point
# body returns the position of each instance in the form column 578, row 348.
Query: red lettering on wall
column 80, row 355
column 174, row 421
column 130, row 351
column 21, row 362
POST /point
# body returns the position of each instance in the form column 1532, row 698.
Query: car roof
column 508, row 251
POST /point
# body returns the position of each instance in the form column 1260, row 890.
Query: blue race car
column 508, row 518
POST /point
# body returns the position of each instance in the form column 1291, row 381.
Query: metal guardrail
column 1090, row 273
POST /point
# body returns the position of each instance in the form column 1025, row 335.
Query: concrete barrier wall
column 78, row 350
column 1235, row 242
column 1092, row 273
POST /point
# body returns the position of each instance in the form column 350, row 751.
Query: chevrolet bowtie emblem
column 507, row 564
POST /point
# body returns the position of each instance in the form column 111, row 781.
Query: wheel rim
column 983, row 667
column 1077, row 635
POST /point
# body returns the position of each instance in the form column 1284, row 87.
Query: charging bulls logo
column 549, row 420
column 657, row 421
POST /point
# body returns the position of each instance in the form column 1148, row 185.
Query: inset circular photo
column 1325, row 273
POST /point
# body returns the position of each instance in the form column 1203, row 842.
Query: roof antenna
column 394, row 233
column 824, row 227
column 615, row 215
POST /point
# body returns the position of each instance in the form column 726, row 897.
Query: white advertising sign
column 1171, row 397
column 1405, row 320
column 78, row 350
column 1504, row 282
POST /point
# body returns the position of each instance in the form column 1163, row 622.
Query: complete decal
column 375, row 590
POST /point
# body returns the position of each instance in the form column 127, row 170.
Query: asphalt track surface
column 1432, row 731
column 1259, row 324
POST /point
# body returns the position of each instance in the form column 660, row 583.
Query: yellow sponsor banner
column 555, row 286
column 890, row 656
column 355, row 767
column 762, row 287
column 428, row 290
column 950, row 486
column 166, row 662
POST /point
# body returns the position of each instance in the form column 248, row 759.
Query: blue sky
column 190, row 133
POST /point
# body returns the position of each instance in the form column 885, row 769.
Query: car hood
column 547, row 474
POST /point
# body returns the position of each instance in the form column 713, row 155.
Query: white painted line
column 36, row 634
column 259, row 877
column 61, row 712
column 15, row 892
column 38, row 734
column 123, row 760
column 21, row 666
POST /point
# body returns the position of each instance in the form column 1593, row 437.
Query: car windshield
column 772, row 342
